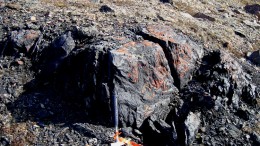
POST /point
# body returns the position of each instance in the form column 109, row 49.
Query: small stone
column 33, row 18
column 105, row 9
column 42, row 106
column 226, row 15
column 14, row 6
column 203, row 129
column 204, row 16
column 20, row 62
column 2, row 4
column 92, row 141
column 252, row 24
column 136, row 131
column 24, row 39
column 167, row 1
column 255, row 57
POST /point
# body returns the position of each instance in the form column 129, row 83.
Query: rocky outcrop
column 166, row 84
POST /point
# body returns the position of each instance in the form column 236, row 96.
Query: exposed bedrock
column 164, row 82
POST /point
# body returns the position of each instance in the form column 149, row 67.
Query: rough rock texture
column 24, row 40
column 142, row 82
column 182, row 53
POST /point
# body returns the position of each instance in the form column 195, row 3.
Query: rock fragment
column 24, row 39
column 204, row 16
column 192, row 124
column 255, row 57
column 106, row 9
column 167, row 1
column 252, row 9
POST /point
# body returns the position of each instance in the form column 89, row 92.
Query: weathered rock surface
column 182, row 53
column 142, row 82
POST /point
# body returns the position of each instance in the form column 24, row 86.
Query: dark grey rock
column 243, row 114
column 63, row 45
column 52, row 56
column 167, row 1
column 106, row 9
column 252, row 9
column 4, row 141
column 249, row 94
column 255, row 138
column 204, row 16
column 255, row 57
column 159, row 129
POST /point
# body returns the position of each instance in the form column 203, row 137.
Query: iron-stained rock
column 142, row 81
column 181, row 53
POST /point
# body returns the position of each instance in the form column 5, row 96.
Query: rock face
column 182, row 53
column 165, row 83
column 143, row 71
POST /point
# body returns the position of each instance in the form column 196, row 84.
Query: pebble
column 33, row 18
column 14, row 6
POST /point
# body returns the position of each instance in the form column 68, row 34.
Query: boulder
column 135, row 72
column 252, row 9
column 106, row 9
column 142, row 82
